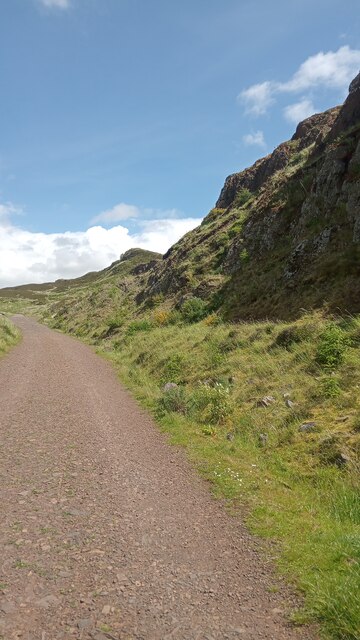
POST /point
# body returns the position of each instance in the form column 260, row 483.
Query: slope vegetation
column 9, row 335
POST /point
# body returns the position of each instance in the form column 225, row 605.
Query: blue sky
column 127, row 115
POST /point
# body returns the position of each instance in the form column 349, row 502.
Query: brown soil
column 106, row 531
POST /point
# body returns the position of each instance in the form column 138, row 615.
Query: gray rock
column 48, row 601
column 85, row 623
column 263, row 439
column 266, row 401
column 289, row 403
column 342, row 459
column 230, row 436
column 307, row 427
column 106, row 609
column 168, row 386
column 342, row 419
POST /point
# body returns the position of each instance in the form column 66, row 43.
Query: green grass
column 9, row 335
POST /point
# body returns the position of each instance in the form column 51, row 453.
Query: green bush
column 173, row 401
column 139, row 325
column 115, row 322
column 211, row 404
column 242, row 197
column 244, row 255
column 331, row 387
column 332, row 347
column 293, row 335
column 173, row 369
column 194, row 310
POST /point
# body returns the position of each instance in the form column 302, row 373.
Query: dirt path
column 106, row 531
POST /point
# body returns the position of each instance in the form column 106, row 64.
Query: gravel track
column 106, row 531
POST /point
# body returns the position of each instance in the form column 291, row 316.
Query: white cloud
column 330, row 70
column 40, row 257
column 255, row 139
column 55, row 4
column 257, row 98
column 298, row 111
column 119, row 212
column 160, row 235
column 334, row 70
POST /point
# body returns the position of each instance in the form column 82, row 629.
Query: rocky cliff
column 284, row 234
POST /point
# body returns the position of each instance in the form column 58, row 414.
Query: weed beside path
column 9, row 335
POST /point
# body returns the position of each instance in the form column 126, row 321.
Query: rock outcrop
column 308, row 132
column 285, row 233
column 349, row 115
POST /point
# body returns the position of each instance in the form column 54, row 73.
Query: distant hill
column 127, row 262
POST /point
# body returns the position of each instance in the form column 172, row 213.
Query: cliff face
column 308, row 132
column 285, row 233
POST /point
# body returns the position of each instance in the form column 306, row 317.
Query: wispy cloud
column 298, row 111
column 257, row 98
column 123, row 211
column 119, row 212
column 255, row 139
column 38, row 257
column 55, row 4
column 8, row 209
column 330, row 70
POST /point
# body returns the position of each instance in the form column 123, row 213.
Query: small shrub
column 115, row 322
column 162, row 317
column 244, row 256
column 332, row 347
column 235, row 230
column 212, row 320
column 173, row 401
column 242, row 197
column 331, row 387
column 209, row 431
column 211, row 404
column 173, row 369
column 222, row 240
column 139, row 325
column 194, row 310
column 293, row 335
column 212, row 215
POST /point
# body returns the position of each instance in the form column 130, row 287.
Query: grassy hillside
column 295, row 462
